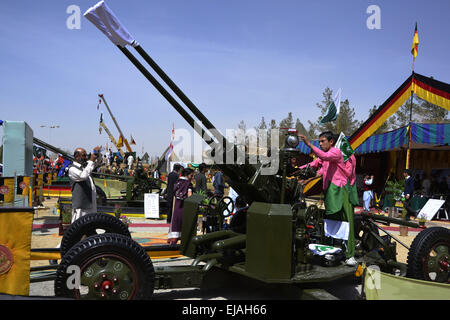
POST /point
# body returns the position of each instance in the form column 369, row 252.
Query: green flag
column 345, row 147
column 333, row 109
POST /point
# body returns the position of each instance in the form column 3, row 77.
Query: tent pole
column 408, row 153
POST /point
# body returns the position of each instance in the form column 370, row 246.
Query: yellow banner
column 15, row 246
column 431, row 97
column 9, row 189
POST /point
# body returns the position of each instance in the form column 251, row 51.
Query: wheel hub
column 444, row 264
column 102, row 276
column 437, row 264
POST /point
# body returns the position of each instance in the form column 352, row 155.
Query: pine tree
column 345, row 121
column 428, row 112
column 301, row 128
column 422, row 111
column 272, row 126
column 386, row 126
column 242, row 126
column 261, row 126
column 286, row 123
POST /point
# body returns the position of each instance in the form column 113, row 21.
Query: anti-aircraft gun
column 271, row 245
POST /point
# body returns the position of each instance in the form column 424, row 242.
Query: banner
column 7, row 190
column 15, row 246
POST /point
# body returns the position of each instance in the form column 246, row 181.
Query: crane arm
column 111, row 137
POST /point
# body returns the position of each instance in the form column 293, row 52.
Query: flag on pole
column 170, row 150
column 333, row 109
column 120, row 142
column 345, row 147
column 132, row 140
column 415, row 43
column 173, row 133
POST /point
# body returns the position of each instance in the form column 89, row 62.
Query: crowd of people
column 45, row 164
column 181, row 184
column 431, row 184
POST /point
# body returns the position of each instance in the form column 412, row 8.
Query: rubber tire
column 86, row 226
column 421, row 247
column 106, row 243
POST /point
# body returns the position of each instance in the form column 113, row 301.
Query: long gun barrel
column 49, row 147
column 381, row 218
column 242, row 176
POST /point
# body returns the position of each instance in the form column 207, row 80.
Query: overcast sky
column 235, row 59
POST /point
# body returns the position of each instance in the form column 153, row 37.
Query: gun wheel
column 429, row 256
column 89, row 225
column 111, row 267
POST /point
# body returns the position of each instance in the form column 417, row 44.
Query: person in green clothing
column 336, row 188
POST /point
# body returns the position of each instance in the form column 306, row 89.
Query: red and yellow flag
column 415, row 43
column 120, row 142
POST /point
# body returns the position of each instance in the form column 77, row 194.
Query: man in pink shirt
column 335, row 173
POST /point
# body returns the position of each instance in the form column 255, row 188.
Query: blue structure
column 17, row 149
column 423, row 136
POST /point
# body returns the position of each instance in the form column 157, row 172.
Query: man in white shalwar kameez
column 368, row 193
column 84, row 195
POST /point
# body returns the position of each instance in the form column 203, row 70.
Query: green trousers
column 338, row 207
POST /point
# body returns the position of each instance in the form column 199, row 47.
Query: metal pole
column 166, row 95
column 408, row 153
column 389, row 234
column 117, row 125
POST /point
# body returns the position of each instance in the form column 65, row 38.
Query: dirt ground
column 51, row 240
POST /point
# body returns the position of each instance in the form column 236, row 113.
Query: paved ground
column 234, row 287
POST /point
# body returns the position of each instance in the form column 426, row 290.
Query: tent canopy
column 423, row 136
